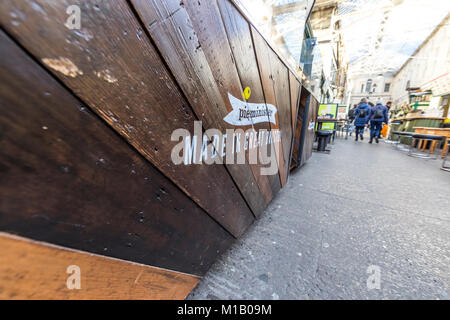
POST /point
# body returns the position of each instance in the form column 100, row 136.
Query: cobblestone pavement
column 362, row 205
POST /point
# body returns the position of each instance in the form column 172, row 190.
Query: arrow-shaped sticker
column 246, row 113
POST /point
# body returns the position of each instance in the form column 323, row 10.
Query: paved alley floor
column 360, row 207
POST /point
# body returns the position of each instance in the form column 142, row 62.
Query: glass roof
column 378, row 35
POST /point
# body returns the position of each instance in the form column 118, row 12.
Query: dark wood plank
column 312, row 118
column 301, row 128
column 311, row 106
column 112, row 66
column 280, row 78
column 302, row 118
column 31, row 270
column 198, row 72
column 294, row 89
column 265, row 70
column 207, row 22
column 67, row 178
column 171, row 29
column 296, row 144
column 294, row 86
column 240, row 39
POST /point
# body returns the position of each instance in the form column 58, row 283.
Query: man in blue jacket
column 378, row 115
column 362, row 112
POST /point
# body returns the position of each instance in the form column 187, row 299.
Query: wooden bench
column 445, row 132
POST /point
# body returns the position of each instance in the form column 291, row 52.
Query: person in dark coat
column 378, row 115
column 361, row 118
column 351, row 118
column 388, row 105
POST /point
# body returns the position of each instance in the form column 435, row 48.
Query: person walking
column 388, row 105
column 385, row 129
column 378, row 115
column 362, row 112
column 351, row 118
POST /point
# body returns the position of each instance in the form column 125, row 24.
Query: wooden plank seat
column 423, row 137
column 436, row 131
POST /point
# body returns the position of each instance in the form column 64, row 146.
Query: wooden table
column 445, row 132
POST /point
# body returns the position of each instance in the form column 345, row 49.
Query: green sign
column 328, row 110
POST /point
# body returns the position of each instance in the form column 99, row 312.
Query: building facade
column 423, row 82
column 326, row 25
column 374, row 87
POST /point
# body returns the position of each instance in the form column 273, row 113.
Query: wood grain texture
column 112, row 66
column 312, row 107
column 241, row 44
column 280, row 78
column 171, row 29
column 303, row 117
column 300, row 129
column 33, row 270
column 67, row 178
column 203, row 83
column 262, row 51
column 296, row 145
column 294, row 86
column 294, row 89
column 212, row 38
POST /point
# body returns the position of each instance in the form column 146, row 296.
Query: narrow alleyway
column 361, row 205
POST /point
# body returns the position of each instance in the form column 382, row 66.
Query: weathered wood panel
column 294, row 87
column 294, row 90
column 311, row 107
column 171, row 29
column 301, row 129
column 241, row 43
column 262, row 51
column 34, row 270
column 113, row 67
column 280, row 78
column 296, row 145
column 67, row 178
column 312, row 117
column 175, row 36
column 212, row 38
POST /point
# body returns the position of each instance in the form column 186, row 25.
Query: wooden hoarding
column 86, row 121
column 67, row 178
column 111, row 65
